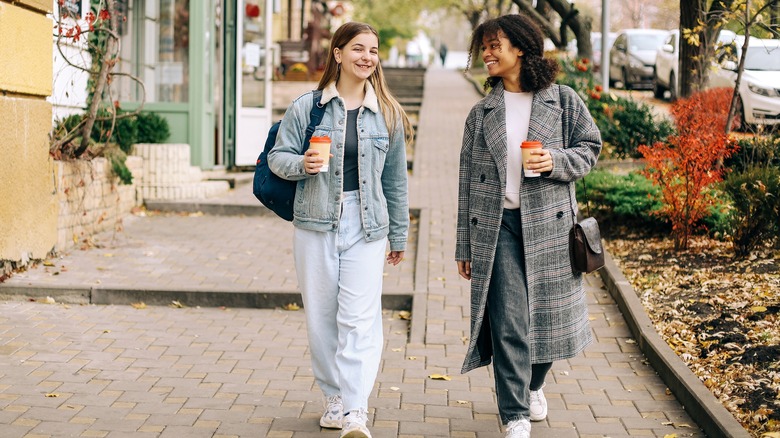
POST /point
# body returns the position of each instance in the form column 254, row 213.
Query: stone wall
column 91, row 199
column 168, row 174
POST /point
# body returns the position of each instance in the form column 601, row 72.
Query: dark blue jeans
column 507, row 311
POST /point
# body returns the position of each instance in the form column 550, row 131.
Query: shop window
column 155, row 48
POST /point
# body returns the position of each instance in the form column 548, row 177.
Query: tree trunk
column 695, row 60
column 691, row 11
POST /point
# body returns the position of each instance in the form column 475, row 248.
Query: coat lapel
column 494, row 129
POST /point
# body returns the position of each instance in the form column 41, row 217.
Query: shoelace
column 334, row 404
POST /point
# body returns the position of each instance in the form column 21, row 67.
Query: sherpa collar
column 369, row 101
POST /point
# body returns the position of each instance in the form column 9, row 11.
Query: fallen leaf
column 49, row 300
column 411, row 358
column 140, row 305
column 462, row 402
column 405, row 315
column 439, row 377
column 670, row 435
column 176, row 304
column 291, row 307
column 48, row 263
column 394, row 388
column 51, row 394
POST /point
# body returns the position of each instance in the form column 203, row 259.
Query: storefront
column 204, row 66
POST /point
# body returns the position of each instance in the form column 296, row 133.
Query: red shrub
column 689, row 162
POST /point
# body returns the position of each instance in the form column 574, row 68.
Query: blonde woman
column 344, row 217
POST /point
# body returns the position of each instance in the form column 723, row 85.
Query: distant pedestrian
column 344, row 218
column 528, row 307
column 443, row 53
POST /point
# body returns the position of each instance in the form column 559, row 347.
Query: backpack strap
column 315, row 116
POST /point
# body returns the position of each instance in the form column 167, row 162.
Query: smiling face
column 500, row 57
column 359, row 57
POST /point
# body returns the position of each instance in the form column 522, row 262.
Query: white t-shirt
column 518, row 117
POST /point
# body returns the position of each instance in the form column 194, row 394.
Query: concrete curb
column 208, row 207
column 711, row 416
column 191, row 297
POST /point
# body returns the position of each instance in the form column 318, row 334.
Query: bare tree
column 748, row 21
column 103, row 42
column 570, row 18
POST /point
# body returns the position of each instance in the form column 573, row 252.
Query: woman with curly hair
column 528, row 305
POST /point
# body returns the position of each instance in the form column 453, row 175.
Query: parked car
column 667, row 63
column 758, row 100
column 632, row 57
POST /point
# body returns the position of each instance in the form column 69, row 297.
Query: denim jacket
column 381, row 168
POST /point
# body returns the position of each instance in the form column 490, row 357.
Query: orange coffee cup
column 527, row 147
column 322, row 145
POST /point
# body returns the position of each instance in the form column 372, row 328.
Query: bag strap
column 565, row 140
column 315, row 116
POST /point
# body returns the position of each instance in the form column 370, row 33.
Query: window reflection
column 172, row 72
column 253, row 54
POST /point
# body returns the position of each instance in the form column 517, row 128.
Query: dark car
column 632, row 57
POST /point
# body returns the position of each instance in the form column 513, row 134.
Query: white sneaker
column 355, row 425
column 518, row 429
column 334, row 413
column 538, row 405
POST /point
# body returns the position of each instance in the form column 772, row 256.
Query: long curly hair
column 394, row 115
column 536, row 72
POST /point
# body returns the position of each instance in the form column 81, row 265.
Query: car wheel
column 672, row 87
column 626, row 84
column 658, row 89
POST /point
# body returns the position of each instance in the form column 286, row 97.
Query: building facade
column 28, row 206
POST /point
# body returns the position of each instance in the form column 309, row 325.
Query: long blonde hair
column 391, row 109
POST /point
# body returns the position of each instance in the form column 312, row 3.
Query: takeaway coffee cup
column 527, row 147
column 322, row 144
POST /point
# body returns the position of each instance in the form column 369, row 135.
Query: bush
column 755, row 214
column 124, row 133
column 624, row 123
column 755, row 151
column 141, row 128
column 152, row 128
column 686, row 168
column 615, row 199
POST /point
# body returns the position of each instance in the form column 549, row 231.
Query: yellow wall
column 28, row 207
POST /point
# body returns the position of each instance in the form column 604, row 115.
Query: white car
column 759, row 89
column 667, row 62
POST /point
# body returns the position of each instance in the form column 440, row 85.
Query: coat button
column 482, row 178
column 337, row 172
column 474, row 221
column 559, row 215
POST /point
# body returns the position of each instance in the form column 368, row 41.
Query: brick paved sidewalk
column 161, row 371
column 113, row 371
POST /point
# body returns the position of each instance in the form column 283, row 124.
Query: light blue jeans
column 340, row 277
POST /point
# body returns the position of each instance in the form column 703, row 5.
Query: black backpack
column 277, row 193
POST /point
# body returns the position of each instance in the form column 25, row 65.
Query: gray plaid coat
column 559, row 316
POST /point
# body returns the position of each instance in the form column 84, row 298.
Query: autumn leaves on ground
column 721, row 315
